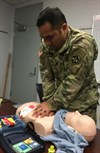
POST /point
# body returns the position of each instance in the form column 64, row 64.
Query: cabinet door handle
column 32, row 74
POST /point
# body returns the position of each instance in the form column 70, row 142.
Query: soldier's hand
column 43, row 110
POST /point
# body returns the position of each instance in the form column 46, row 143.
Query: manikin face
column 55, row 38
column 73, row 119
column 81, row 123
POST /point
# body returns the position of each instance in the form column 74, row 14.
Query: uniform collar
column 65, row 45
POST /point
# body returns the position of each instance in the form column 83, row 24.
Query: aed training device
column 17, row 137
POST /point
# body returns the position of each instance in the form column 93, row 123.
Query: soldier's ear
column 64, row 29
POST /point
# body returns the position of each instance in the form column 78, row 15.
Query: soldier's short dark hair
column 52, row 15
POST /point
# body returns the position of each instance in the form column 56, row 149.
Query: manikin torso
column 44, row 126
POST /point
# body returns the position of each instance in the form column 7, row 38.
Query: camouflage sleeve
column 80, row 60
column 48, row 80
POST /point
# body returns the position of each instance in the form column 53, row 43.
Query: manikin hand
column 43, row 110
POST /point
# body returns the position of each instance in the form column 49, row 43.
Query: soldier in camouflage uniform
column 67, row 66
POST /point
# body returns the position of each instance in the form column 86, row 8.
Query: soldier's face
column 53, row 37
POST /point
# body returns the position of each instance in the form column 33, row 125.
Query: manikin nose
column 77, row 112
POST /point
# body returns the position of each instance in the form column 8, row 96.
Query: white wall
column 6, row 44
column 79, row 13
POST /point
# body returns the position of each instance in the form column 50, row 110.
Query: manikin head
column 52, row 26
column 82, row 124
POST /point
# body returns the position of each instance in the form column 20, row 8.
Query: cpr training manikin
column 82, row 124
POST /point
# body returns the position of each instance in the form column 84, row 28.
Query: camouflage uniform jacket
column 68, row 74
